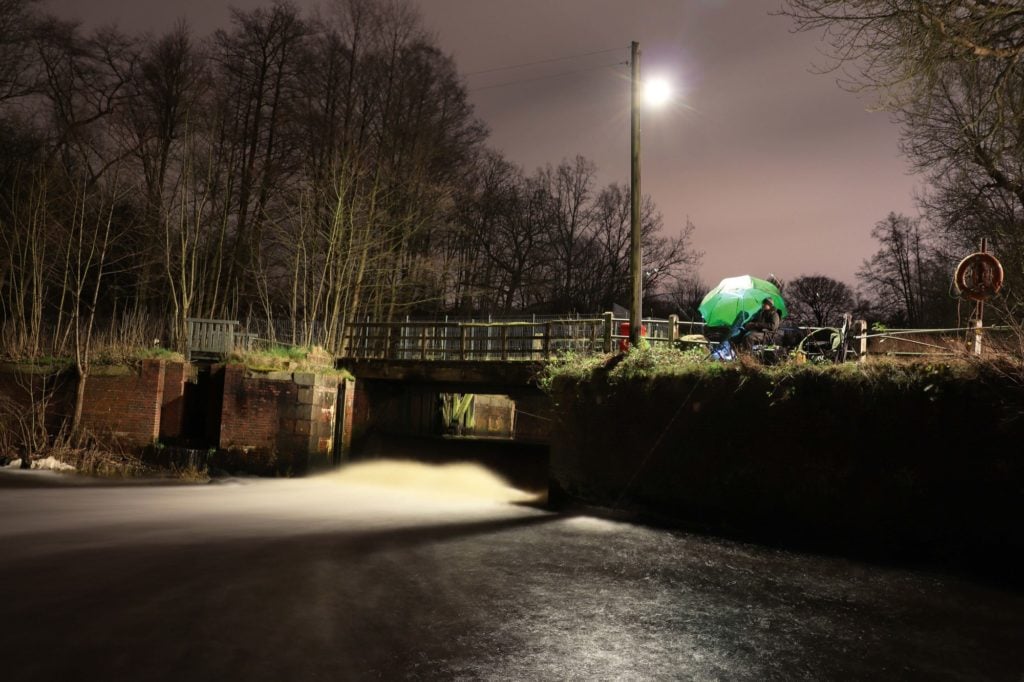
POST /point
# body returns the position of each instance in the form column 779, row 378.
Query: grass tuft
column 289, row 359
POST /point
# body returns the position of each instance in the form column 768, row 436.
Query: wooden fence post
column 673, row 328
column 609, row 323
column 862, row 353
column 389, row 342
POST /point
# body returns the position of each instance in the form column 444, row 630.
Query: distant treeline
column 294, row 171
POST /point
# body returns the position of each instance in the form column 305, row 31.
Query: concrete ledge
column 479, row 377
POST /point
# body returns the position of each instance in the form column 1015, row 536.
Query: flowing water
column 429, row 568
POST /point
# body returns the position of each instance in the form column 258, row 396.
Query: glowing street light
column 657, row 91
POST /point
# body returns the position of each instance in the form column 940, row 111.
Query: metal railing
column 539, row 338
column 944, row 342
column 496, row 341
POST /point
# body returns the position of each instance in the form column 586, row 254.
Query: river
column 413, row 570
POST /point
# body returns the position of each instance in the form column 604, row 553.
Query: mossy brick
column 304, row 378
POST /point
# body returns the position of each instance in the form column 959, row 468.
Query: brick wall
column 23, row 389
column 315, row 414
column 492, row 416
column 253, row 409
column 288, row 415
column 135, row 405
column 125, row 403
column 288, row 419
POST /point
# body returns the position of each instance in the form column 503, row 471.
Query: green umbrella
column 735, row 295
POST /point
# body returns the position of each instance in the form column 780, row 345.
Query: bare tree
column 666, row 258
column 18, row 72
column 684, row 296
column 901, row 47
column 256, row 66
column 84, row 82
column 88, row 234
column 904, row 279
column 159, row 123
column 818, row 300
column 951, row 73
column 25, row 253
column 569, row 185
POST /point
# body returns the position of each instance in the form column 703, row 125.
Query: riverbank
column 902, row 460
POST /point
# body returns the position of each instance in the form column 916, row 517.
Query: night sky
column 781, row 171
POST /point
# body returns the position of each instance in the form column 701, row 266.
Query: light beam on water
column 456, row 480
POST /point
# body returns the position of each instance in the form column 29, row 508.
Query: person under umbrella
column 760, row 329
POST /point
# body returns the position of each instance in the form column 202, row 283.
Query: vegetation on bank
column 660, row 362
column 273, row 359
column 105, row 357
column 288, row 359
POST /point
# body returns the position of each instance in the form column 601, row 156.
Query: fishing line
column 530, row 414
column 654, row 447
column 549, row 76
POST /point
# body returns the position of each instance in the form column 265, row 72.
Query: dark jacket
column 766, row 320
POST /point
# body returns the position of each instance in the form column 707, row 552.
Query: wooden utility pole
column 635, row 256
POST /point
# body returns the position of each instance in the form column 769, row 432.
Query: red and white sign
column 979, row 276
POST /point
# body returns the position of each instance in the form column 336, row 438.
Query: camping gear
column 723, row 352
column 735, row 296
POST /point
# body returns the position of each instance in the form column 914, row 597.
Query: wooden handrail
column 510, row 341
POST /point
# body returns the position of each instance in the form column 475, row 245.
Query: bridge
column 451, row 351
column 507, row 353
column 405, row 368
column 409, row 370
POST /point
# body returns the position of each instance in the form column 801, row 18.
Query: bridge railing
column 214, row 339
column 478, row 341
column 488, row 341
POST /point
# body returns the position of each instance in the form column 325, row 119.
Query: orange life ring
column 979, row 276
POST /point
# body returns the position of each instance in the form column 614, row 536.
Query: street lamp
column 656, row 92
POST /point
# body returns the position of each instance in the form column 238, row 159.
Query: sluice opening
column 522, row 465
column 505, row 435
